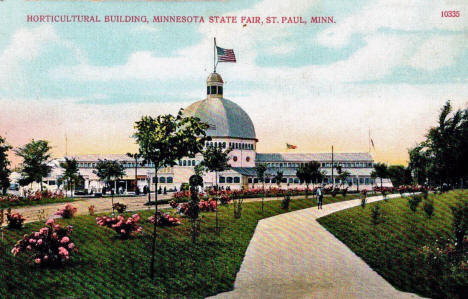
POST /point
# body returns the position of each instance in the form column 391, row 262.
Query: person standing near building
column 319, row 197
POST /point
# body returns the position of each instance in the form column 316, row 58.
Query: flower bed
column 51, row 245
column 124, row 227
column 32, row 198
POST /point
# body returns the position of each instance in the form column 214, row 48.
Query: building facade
column 230, row 127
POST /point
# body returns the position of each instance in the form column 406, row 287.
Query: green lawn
column 109, row 267
column 24, row 203
column 392, row 248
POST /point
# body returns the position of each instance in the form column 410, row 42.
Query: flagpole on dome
column 214, row 55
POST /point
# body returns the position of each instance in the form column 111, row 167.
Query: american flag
column 225, row 55
column 290, row 146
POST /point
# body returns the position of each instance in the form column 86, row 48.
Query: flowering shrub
column 15, row 220
column 164, row 219
column 173, row 204
column 120, row 207
column 51, row 245
column 208, row 205
column 68, row 211
column 124, row 227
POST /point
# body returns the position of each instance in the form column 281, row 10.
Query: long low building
column 230, row 127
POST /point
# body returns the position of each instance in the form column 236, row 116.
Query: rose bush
column 51, row 245
column 15, row 220
column 124, row 227
column 68, row 211
column 164, row 219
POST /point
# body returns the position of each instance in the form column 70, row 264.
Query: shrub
column 173, row 204
column 51, row 245
column 344, row 192
column 124, row 227
column 334, row 192
column 428, row 208
column 15, row 220
column 91, row 210
column 164, row 219
column 208, row 205
column 120, row 207
column 238, row 208
column 377, row 215
column 68, row 211
column 460, row 223
column 414, row 202
column 363, row 202
column 285, row 202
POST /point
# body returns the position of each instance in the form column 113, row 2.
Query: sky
column 384, row 66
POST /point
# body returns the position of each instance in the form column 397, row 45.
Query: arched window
column 224, row 144
column 234, row 158
column 170, row 180
column 229, row 180
column 247, row 159
column 162, row 180
column 236, row 180
column 222, row 180
column 184, row 162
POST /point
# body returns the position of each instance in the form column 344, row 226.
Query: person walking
column 319, row 198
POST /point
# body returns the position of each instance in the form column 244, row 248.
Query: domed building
column 230, row 127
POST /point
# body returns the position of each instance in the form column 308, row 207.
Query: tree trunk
column 136, row 175
column 381, row 183
column 112, row 198
column 216, row 198
column 153, row 249
column 263, row 196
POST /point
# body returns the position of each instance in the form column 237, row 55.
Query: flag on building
column 290, row 146
column 225, row 55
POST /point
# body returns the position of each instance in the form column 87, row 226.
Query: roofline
column 232, row 137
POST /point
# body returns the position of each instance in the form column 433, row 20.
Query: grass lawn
column 24, row 203
column 392, row 248
column 106, row 266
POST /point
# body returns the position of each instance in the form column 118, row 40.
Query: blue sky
column 373, row 49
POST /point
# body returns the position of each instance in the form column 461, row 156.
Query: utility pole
column 332, row 165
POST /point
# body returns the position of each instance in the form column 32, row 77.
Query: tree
column 164, row 140
column 216, row 159
column 279, row 178
column 109, row 171
column 342, row 175
column 399, row 175
column 309, row 173
column 380, row 171
column 70, row 174
column 443, row 156
column 261, row 169
column 4, row 166
column 34, row 167
column 135, row 156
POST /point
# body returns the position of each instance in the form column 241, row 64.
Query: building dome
column 225, row 118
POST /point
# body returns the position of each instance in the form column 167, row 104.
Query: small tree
column 216, row 159
column 109, row 171
column 414, row 202
column 4, row 166
column 380, row 171
column 376, row 214
column 309, row 173
column 279, row 178
column 34, row 168
column 164, row 140
column 261, row 169
column 70, row 174
column 428, row 208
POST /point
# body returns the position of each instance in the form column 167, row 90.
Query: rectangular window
column 222, row 180
column 184, row 163
column 170, row 180
column 255, row 180
column 236, row 180
column 207, row 90
column 267, row 180
column 296, row 181
column 213, row 89
column 249, row 180
column 361, row 181
column 220, row 90
column 229, row 180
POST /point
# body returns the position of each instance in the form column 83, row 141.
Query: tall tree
column 216, row 159
column 164, row 140
column 70, row 175
column 261, row 169
column 308, row 173
column 109, row 171
column 135, row 156
column 34, row 167
column 399, row 175
column 4, row 166
column 380, row 171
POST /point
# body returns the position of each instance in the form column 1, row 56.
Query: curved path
column 293, row 256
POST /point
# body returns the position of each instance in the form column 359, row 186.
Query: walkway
column 293, row 256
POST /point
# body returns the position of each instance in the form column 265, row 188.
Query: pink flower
column 15, row 251
column 39, row 242
column 122, row 231
column 71, row 246
column 46, row 257
column 50, row 222
column 37, row 261
column 44, row 231
column 63, row 251
column 28, row 247
column 36, row 235
column 136, row 217
column 65, row 240
column 32, row 241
